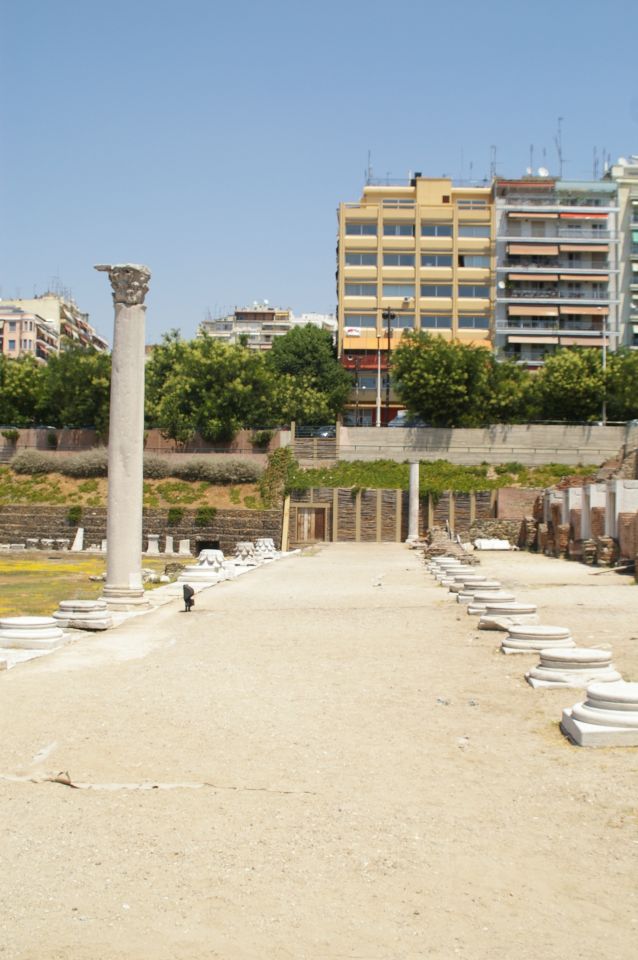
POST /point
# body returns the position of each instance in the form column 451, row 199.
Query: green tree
column 510, row 396
column 315, row 386
column 570, row 386
column 21, row 383
column 622, row 385
column 76, row 389
column 446, row 383
column 207, row 387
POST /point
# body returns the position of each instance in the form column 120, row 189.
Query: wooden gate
column 311, row 524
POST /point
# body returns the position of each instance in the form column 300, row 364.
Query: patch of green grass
column 234, row 495
column 33, row 584
column 178, row 491
column 88, row 486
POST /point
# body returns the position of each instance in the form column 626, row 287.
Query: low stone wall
column 512, row 530
column 17, row 523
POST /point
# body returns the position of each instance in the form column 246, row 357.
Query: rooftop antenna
column 531, row 157
column 368, row 174
column 595, row 165
column 605, row 163
column 558, row 140
column 492, row 161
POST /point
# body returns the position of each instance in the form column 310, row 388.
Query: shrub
column 74, row 515
column 205, row 516
column 12, row 435
column 33, row 462
column 177, row 491
column 89, row 463
column 89, row 486
column 175, row 516
column 261, row 438
column 222, row 472
column 156, row 468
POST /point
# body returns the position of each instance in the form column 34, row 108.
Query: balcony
column 561, row 233
column 549, row 294
column 550, row 326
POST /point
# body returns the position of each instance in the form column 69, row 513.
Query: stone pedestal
column 184, row 549
column 502, row 616
column 153, row 545
column 78, row 541
column 168, row 545
column 608, row 717
column 30, row 633
column 413, row 503
column 123, row 589
column 83, row 615
column 573, row 667
column 479, row 601
column 534, row 639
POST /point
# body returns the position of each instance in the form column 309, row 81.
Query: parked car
column 404, row 419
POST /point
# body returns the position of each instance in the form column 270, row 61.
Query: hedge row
column 94, row 463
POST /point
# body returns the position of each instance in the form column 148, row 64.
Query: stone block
column 153, row 544
column 83, row 615
column 533, row 639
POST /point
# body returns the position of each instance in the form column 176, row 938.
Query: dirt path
column 314, row 766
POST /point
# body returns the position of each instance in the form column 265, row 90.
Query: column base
column 122, row 600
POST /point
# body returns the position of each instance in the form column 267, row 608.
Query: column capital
column 128, row 280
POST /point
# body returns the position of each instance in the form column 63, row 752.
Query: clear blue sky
column 213, row 141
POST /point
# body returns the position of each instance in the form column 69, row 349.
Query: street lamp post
column 604, row 316
column 356, row 362
column 388, row 316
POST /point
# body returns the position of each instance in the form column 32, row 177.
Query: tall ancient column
column 413, row 503
column 123, row 589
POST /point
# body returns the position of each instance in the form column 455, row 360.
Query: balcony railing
column 561, row 233
column 549, row 326
column 552, row 293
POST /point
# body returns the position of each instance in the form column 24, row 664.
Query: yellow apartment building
column 412, row 257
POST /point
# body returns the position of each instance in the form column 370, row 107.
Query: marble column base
column 608, row 717
column 121, row 600
column 30, row 633
column 83, row 615
column 575, row 667
column 479, row 602
column 503, row 622
column 534, row 639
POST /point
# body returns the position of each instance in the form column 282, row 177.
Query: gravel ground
column 343, row 767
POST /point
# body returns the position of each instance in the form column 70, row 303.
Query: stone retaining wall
column 17, row 523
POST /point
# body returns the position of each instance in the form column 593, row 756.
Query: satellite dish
column 543, row 172
column 528, row 171
column 622, row 162
column 501, row 284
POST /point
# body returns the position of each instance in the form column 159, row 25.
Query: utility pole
column 388, row 316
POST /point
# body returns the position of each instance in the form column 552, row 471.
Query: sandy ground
column 381, row 783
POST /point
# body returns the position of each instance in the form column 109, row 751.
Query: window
column 436, row 229
column 360, row 320
column 12, row 344
column 354, row 229
column 469, row 203
column 470, row 322
column 361, row 290
column 473, row 230
column 361, row 259
column 474, row 290
column 12, row 325
column 398, row 229
column 469, row 260
column 436, row 259
column 398, row 259
column 398, row 289
column 436, row 322
column 402, row 321
column 436, row 290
